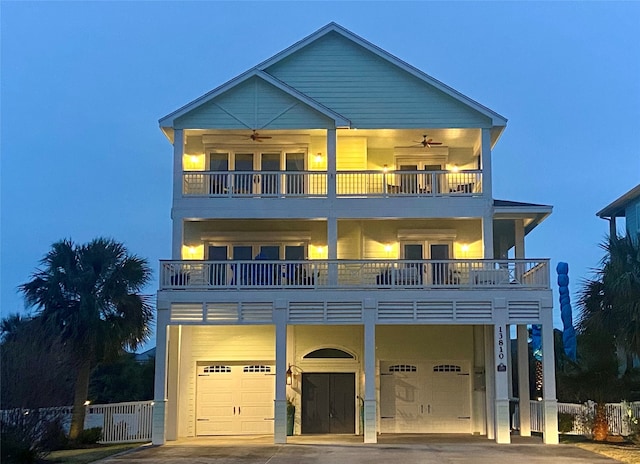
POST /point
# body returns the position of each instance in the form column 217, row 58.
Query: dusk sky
column 83, row 85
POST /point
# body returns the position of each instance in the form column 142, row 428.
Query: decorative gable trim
column 169, row 120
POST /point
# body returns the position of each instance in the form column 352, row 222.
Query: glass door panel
column 219, row 167
column 267, row 273
column 244, row 182
column 439, row 270
column 408, row 182
column 295, row 182
column 241, row 271
column 218, row 271
column 270, row 180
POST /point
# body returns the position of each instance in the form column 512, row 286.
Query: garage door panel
column 260, row 426
column 425, row 396
column 235, row 399
column 217, row 427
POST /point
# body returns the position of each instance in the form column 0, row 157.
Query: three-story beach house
column 337, row 249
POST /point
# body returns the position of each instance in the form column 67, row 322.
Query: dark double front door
column 328, row 403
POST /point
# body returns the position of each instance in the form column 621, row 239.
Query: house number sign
column 500, row 351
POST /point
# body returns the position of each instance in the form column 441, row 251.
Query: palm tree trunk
column 79, row 398
column 600, row 423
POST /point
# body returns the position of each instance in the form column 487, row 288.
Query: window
column 403, row 368
column 265, row 369
column 447, row 368
column 333, row 353
column 216, row 369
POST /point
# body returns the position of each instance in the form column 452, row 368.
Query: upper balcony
column 309, row 184
column 459, row 274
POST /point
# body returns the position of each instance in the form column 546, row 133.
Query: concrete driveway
column 396, row 449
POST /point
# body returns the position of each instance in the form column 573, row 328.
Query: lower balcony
column 355, row 274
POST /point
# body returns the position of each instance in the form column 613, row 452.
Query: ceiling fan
column 257, row 137
column 425, row 143
column 254, row 136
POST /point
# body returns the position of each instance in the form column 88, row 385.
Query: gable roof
column 496, row 118
column 498, row 121
column 617, row 207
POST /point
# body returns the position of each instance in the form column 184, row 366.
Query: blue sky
column 84, row 84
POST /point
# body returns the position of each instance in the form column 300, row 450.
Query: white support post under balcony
column 549, row 401
column 501, row 372
column 158, row 433
column 370, row 411
column 487, row 234
column 280, row 403
column 489, row 380
column 523, row 381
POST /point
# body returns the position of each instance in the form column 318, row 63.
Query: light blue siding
column 632, row 217
column 369, row 90
column 254, row 104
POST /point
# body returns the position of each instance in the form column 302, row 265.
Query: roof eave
column 617, row 207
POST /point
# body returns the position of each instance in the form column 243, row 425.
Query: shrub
column 90, row 436
column 21, row 437
column 565, row 422
column 53, row 435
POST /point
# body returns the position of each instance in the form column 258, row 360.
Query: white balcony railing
column 314, row 183
column 355, row 274
column 255, row 183
column 408, row 183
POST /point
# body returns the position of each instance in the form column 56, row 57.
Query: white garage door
column 425, row 397
column 234, row 399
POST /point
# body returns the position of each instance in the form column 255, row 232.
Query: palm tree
column 611, row 301
column 610, row 305
column 88, row 295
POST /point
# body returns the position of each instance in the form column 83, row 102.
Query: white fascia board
column 497, row 119
column 167, row 121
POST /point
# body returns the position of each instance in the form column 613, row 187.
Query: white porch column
column 501, row 371
column 332, row 143
column 519, row 247
column 173, row 382
column 485, row 157
column 489, row 381
column 280, row 403
column 370, row 409
column 523, row 381
column 487, row 234
column 160, row 383
column 178, row 153
column 549, row 400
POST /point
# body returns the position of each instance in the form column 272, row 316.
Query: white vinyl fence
column 120, row 422
column 617, row 416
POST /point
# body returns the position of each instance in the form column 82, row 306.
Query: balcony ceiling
column 377, row 138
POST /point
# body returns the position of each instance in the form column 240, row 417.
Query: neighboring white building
column 336, row 242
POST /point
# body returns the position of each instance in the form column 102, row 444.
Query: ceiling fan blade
column 434, row 143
